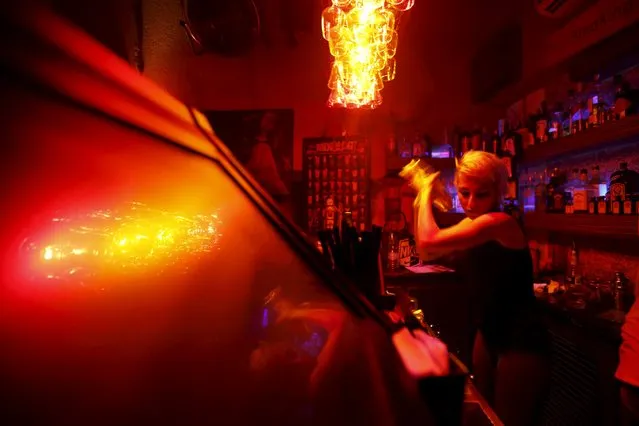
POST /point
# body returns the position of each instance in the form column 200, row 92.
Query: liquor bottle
column 616, row 205
column 570, row 111
column 595, row 106
column 579, row 113
column 495, row 144
column 558, row 193
column 540, row 194
column 428, row 147
column 556, row 122
column 463, row 144
column 572, row 265
column 475, row 139
column 623, row 181
column 628, row 205
column 541, row 124
column 550, row 191
column 509, row 149
column 393, row 252
column 595, row 181
column 580, row 192
column 418, row 146
column 405, row 149
column 573, row 181
column 629, row 99
column 602, row 205
column 529, row 194
column 511, row 193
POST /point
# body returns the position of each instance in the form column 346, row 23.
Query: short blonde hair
column 485, row 167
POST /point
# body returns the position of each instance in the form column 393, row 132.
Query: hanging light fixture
column 362, row 38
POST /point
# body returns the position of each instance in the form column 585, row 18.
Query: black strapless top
column 502, row 300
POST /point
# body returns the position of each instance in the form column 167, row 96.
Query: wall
column 430, row 91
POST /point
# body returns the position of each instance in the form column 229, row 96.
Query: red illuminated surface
column 110, row 186
column 78, row 248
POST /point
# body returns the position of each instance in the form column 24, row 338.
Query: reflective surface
column 140, row 285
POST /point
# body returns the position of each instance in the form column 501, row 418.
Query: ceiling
column 438, row 40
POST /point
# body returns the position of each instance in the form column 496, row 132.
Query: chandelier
column 362, row 38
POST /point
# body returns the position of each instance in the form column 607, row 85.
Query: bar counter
column 476, row 410
column 584, row 359
column 584, row 351
column 443, row 281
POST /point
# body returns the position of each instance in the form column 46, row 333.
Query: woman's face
column 476, row 196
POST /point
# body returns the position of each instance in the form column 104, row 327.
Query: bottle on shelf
column 616, row 205
column 541, row 124
column 485, row 139
column 511, row 192
column 581, row 193
column 625, row 102
column 405, row 148
column 570, row 111
column 445, row 150
column 510, row 144
column 550, row 191
column 528, row 198
column 555, row 128
column 495, row 144
column 623, row 181
column 569, row 207
column 602, row 205
column 619, row 291
column 595, row 180
column 580, row 112
column 428, row 146
column 573, row 262
column 541, row 200
column 595, row 104
column 393, row 252
column 463, row 143
column 556, row 191
column 573, row 181
column 417, row 148
column 629, row 205
column 592, row 205
column 476, row 139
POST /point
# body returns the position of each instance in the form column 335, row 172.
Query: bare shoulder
column 495, row 219
column 508, row 231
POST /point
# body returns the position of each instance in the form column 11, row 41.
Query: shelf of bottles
column 566, row 163
column 600, row 200
column 581, row 159
column 504, row 142
column 601, row 113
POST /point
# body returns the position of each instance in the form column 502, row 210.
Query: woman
column 628, row 369
column 511, row 344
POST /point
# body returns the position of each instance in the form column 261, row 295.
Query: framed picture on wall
column 262, row 140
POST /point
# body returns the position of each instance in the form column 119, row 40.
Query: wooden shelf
column 616, row 132
column 605, row 226
column 395, row 164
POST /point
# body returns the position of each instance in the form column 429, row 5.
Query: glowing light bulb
column 362, row 38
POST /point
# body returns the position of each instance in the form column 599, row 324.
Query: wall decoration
column 336, row 173
column 262, row 140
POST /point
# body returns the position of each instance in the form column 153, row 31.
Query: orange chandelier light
column 362, row 37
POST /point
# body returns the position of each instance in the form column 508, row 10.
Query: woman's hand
column 426, row 185
column 430, row 179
